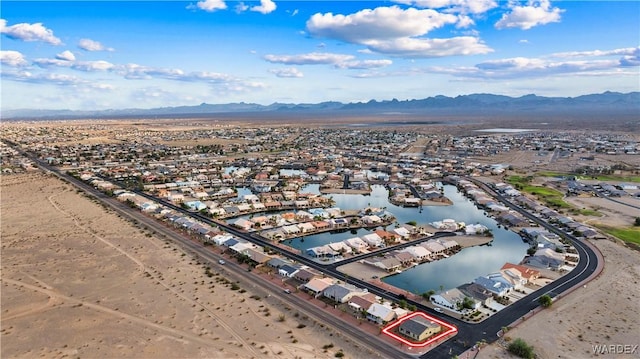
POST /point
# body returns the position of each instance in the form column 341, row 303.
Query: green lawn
column 550, row 196
column 635, row 179
column 628, row 234
column 603, row 178
column 588, row 212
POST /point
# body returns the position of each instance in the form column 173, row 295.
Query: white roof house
column 373, row 240
column 356, row 243
column 418, row 252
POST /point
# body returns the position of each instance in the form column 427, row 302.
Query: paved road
column 468, row 334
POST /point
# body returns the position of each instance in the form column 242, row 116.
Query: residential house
column 341, row 293
column 477, row 292
column 276, row 263
column 388, row 237
column 288, row 270
column 511, row 276
column 525, row 272
column 402, row 232
column 388, row 264
column 371, row 220
column 306, row 227
column 373, row 240
column 497, row 287
column 361, row 303
column 317, row 285
column 433, row 246
column 380, row 313
column 419, row 328
column 305, row 274
column 256, row 256
column 405, row 258
column 321, row 252
column 545, row 259
column 243, row 224
column 357, row 244
column 340, row 247
column 449, row 298
column 419, row 253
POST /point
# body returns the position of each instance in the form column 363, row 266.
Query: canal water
column 451, row 272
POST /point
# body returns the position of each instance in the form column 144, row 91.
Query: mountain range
column 474, row 104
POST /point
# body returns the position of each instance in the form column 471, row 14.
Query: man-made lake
column 448, row 273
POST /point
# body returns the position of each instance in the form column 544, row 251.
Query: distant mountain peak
column 485, row 103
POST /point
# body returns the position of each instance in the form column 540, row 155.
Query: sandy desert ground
column 605, row 312
column 81, row 282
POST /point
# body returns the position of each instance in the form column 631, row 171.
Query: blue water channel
column 451, row 272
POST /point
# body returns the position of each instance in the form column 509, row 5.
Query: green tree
column 521, row 349
column 637, row 222
column 545, row 301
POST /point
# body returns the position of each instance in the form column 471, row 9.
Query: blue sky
column 100, row 55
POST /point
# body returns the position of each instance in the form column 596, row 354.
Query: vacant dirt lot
column 605, row 312
column 81, row 282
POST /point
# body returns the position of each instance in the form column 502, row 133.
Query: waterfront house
column 449, row 298
column 497, row 287
column 373, row 240
column 433, row 246
column 525, row 272
column 419, row 253
column 243, row 224
column 357, row 244
column 388, row 264
column 405, row 258
column 480, row 294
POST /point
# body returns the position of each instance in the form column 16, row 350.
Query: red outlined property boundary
column 450, row 331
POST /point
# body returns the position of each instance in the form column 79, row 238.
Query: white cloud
column 377, row 24
column 91, row 45
column 523, row 41
column 464, row 21
column 210, row 5
column 265, row 7
column 462, row 6
column 52, row 62
column 629, row 51
column 12, row 58
column 313, row 58
column 66, row 56
column 363, row 64
column 58, row 79
column 91, row 66
column 583, row 63
column 398, row 32
column 289, row 72
column 428, row 48
column 536, row 12
column 64, row 60
column 29, row 32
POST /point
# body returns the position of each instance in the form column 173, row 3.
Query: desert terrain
column 604, row 312
column 80, row 281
